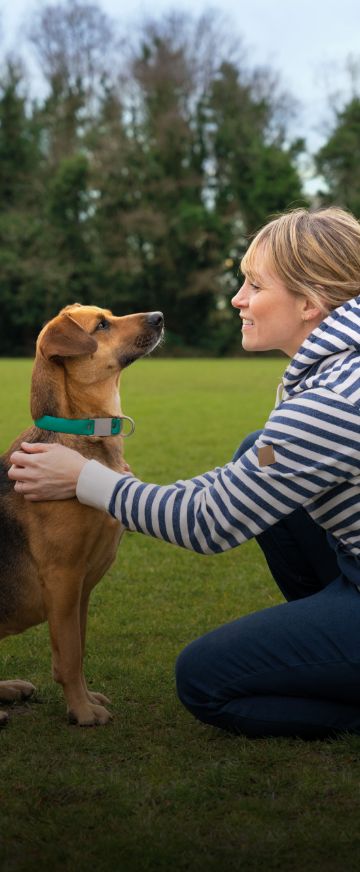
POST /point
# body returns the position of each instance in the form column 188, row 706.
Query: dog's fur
column 53, row 553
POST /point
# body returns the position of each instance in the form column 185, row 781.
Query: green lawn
column 155, row 790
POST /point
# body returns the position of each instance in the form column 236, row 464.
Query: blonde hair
column 316, row 254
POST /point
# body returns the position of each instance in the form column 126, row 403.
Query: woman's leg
column 291, row 670
column 296, row 549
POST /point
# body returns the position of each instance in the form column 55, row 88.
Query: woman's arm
column 304, row 458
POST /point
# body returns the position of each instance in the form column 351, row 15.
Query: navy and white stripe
column 315, row 433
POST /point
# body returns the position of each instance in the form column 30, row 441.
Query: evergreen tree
column 255, row 172
column 69, row 41
column 20, row 214
column 338, row 160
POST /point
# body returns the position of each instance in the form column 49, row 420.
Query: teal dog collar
column 86, row 426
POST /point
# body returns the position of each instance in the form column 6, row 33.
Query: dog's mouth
column 143, row 344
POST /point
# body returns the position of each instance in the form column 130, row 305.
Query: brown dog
column 53, row 553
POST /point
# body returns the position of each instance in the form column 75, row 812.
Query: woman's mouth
column 247, row 323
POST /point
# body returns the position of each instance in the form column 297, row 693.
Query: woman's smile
column 246, row 323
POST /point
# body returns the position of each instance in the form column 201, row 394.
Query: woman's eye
column 103, row 325
column 256, row 287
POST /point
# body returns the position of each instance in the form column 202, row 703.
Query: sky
column 306, row 41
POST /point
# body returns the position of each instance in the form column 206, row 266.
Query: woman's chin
column 249, row 345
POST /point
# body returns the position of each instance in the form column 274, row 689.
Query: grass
column 155, row 790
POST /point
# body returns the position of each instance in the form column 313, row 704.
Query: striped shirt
column 314, row 433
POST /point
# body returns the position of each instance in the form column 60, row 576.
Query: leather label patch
column 266, row 455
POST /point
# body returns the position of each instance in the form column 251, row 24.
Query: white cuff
column 96, row 485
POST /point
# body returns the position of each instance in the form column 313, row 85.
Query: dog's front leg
column 92, row 695
column 63, row 613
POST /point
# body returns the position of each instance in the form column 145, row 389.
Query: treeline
column 137, row 179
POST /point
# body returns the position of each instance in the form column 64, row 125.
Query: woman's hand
column 45, row 472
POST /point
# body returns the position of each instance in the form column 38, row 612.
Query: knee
column 192, row 678
column 246, row 443
column 200, row 680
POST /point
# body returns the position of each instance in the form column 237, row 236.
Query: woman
column 293, row 669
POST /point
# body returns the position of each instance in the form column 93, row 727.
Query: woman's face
column 273, row 318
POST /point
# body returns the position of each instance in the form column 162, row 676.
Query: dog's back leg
column 14, row 691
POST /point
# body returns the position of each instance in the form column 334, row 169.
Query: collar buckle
column 106, row 426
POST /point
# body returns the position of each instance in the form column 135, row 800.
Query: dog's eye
column 103, row 325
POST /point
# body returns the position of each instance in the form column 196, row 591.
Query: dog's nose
column 155, row 319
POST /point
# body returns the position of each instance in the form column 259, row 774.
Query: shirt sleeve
column 312, row 447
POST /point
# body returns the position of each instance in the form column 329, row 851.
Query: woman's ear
column 310, row 312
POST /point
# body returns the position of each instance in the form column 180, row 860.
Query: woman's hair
column 316, row 254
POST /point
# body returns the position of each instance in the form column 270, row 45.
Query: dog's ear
column 66, row 338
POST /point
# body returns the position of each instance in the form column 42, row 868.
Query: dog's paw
column 90, row 716
column 15, row 690
column 4, row 717
column 98, row 698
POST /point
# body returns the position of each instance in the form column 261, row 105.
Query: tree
column 19, row 147
column 136, row 181
column 20, row 212
column 255, row 172
column 169, row 242
column 75, row 43
column 338, row 159
column 69, row 39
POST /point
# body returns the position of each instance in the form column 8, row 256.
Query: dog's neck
column 53, row 393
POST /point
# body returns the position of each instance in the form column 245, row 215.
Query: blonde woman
column 293, row 669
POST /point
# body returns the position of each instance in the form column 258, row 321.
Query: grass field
column 155, row 790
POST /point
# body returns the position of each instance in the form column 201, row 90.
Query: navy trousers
column 292, row 669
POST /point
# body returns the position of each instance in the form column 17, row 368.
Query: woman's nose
column 239, row 300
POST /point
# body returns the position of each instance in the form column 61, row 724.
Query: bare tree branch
column 75, row 44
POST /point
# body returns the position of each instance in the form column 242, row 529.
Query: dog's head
column 92, row 343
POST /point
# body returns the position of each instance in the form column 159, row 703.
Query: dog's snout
column 155, row 319
column 150, row 326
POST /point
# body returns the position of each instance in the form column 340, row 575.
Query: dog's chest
column 101, row 550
